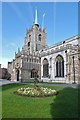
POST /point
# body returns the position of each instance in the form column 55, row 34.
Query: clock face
column 17, row 65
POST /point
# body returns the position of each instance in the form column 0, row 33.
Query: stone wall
column 74, row 68
column 25, row 75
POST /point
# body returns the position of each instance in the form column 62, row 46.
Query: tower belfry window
column 39, row 37
column 29, row 37
column 28, row 44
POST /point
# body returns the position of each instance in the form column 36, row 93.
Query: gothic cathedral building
column 57, row 63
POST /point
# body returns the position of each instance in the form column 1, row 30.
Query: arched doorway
column 34, row 73
column 59, row 66
column 17, row 75
column 45, row 68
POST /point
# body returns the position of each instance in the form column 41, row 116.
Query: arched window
column 45, row 68
column 39, row 37
column 59, row 66
column 28, row 44
column 29, row 37
column 34, row 73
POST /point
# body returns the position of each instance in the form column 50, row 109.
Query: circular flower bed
column 36, row 92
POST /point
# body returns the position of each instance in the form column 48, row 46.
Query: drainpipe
column 73, row 69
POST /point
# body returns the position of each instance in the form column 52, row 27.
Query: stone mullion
column 61, row 69
column 58, row 69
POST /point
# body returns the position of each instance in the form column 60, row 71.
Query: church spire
column 36, row 18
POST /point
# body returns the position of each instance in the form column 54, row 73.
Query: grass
column 64, row 105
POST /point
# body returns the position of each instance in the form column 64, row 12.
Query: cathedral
column 57, row 63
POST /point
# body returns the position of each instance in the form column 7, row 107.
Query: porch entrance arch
column 17, row 75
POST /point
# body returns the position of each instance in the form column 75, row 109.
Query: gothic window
column 29, row 37
column 34, row 73
column 28, row 44
column 39, row 37
column 59, row 66
column 45, row 68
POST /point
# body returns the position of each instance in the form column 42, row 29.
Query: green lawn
column 64, row 105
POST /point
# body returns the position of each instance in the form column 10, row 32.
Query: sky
column 60, row 21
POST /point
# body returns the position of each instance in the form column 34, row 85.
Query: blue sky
column 61, row 22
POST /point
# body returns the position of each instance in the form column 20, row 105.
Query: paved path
column 62, row 85
column 55, row 84
column 4, row 82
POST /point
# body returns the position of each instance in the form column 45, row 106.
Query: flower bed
column 36, row 92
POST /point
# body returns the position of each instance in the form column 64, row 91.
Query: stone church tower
column 27, row 63
column 35, row 39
